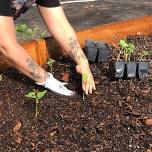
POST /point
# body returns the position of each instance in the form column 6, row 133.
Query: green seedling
column 84, row 78
column 143, row 55
column 50, row 63
column 127, row 49
column 21, row 28
column 42, row 35
column 37, row 95
column 1, row 77
column 32, row 32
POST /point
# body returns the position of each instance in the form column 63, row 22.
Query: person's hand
column 88, row 84
column 53, row 84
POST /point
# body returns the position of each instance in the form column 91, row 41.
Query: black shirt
column 15, row 8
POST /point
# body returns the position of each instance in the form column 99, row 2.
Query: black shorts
column 15, row 8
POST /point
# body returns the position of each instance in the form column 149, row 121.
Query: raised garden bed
column 116, row 117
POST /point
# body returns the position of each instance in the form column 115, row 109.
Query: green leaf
column 145, row 53
column 123, row 43
column 41, row 94
column 129, row 51
column 29, row 31
column 84, row 77
column 1, row 77
column 31, row 95
column 131, row 46
column 21, row 28
column 36, row 29
column 43, row 34
column 50, row 62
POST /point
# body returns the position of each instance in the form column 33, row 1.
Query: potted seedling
column 96, row 50
column 91, row 50
column 37, row 96
column 127, row 49
column 50, row 63
column 103, row 51
column 143, row 64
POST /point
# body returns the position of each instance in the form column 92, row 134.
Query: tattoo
column 74, row 49
column 35, row 70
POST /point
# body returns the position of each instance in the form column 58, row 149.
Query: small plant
column 29, row 31
column 37, row 95
column 1, row 77
column 42, row 34
column 22, row 28
column 143, row 55
column 84, row 78
column 32, row 32
column 50, row 63
column 127, row 49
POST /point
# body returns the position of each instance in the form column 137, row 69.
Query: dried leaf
column 18, row 140
column 17, row 127
column 147, row 90
column 148, row 121
column 65, row 77
column 129, row 99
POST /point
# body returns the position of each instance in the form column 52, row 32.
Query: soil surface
column 116, row 117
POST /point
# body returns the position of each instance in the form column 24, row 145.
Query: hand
column 53, row 84
column 88, row 84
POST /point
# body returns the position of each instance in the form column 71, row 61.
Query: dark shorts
column 15, row 8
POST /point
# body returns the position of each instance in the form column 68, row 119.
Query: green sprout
column 25, row 29
column 1, row 77
column 50, row 63
column 37, row 95
column 127, row 49
column 143, row 55
column 32, row 32
column 84, row 78
column 22, row 28
column 42, row 34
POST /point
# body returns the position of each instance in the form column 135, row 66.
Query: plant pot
column 119, row 69
column 91, row 51
column 142, row 69
column 103, row 51
column 131, row 69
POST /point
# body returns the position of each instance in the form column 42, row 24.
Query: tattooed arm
column 60, row 28
column 16, row 53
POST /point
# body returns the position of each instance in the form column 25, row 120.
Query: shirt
column 15, row 8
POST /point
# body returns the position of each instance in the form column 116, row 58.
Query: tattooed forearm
column 36, row 71
column 74, row 50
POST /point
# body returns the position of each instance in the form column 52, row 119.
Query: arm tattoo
column 74, row 49
column 35, row 70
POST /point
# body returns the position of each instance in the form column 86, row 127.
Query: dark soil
column 111, row 119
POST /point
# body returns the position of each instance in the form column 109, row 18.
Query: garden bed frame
column 41, row 49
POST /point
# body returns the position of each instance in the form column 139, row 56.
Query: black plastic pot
column 91, row 51
column 119, row 69
column 103, row 51
column 131, row 69
column 142, row 69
